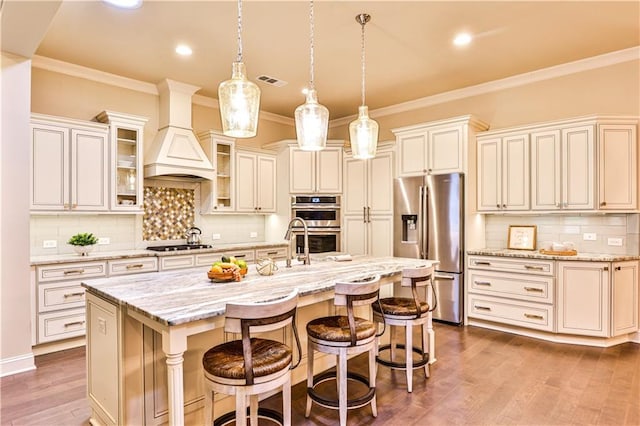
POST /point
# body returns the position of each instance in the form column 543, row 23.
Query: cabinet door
column 515, row 172
column 583, row 298
column 380, row 236
column 489, row 174
column 266, row 184
column 49, row 167
column 354, row 235
column 328, row 177
column 624, row 298
column 380, row 184
column 546, row 176
column 246, row 172
column 412, row 154
column 355, row 185
column 302, row 171
column 445, row 150
column 617, row 167
column 578, row 168
column 89, row 170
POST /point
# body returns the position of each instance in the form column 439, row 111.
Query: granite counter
column 526, row 254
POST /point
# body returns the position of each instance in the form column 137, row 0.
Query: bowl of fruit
column 227, row 269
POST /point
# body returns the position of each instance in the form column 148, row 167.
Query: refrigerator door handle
column 444, row 277
column 364, row 215
column 369, row 214
column 421, row 223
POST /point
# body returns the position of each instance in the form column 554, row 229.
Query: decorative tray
column 559, row 253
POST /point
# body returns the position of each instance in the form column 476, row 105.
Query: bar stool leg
column 342, row 386
column 372, row 377
column 253, row 409
column 310, row 357
column 241, row 408
column 426, row 348
column 408, row 350
column 208, row 406
column 286, row 402
column 392, row 341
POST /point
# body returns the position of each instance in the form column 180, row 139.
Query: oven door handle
column 315, row 206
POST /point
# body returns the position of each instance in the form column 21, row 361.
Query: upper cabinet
column 126, row 136
column 435, row 147
column 618, row 166
column 219, row 195
column 315, row 172
column 69, row 164
column 255, row 182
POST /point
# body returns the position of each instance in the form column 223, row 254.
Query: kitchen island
column 146, row 333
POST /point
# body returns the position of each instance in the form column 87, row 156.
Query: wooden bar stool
column 407, row 312
column 342, row 336
column 252, row 366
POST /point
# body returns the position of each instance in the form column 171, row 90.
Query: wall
column 15, row 293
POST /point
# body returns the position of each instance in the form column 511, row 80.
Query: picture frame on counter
column 522, row 237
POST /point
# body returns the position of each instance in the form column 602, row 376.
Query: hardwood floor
column 481, row 377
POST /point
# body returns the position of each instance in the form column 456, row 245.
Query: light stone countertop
column 588, row 257
column 126, row 254
column 179, row 297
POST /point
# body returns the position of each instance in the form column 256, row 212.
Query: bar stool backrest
column 356, row 292
column 413, row 275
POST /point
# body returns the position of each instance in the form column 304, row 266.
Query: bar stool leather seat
column 336, row 329
column 401, row 306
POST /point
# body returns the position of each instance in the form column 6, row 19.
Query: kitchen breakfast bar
column 146, row 333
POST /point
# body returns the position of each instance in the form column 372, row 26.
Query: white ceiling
column 409, row 44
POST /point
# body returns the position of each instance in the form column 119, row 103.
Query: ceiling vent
column 272, row 81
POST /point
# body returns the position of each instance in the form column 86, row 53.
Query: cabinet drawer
column 133, row 266
column 62, row 295
column 273, row 253
column 71, row 271
column 61, row 325
column 530, row 266
column 523, row 314
column 533, row 288
column 177, row 262
column 207, row 259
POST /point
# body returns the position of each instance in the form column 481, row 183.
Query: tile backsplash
column 168, row 212
column 561, row 228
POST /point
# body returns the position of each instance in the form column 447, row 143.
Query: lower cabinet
column 182, row 261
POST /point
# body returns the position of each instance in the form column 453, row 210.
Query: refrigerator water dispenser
column 409, row 228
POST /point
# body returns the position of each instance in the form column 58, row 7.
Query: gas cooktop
column 179, row 247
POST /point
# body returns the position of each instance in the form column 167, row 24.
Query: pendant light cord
column 239, row 57
column 311, row 28
column 363, row 68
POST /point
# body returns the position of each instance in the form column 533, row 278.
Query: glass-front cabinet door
column 126, row 139
column 218, row 195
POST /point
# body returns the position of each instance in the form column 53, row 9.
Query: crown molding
column 600, row 61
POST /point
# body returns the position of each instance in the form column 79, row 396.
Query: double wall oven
column 322, row 215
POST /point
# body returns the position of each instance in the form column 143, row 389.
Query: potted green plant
column 83, row 243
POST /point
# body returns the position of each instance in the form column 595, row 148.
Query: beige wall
column 15, row 295
column 610, row 90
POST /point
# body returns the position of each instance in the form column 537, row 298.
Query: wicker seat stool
column 343, row 336
column 407, row 312
column 252, row 366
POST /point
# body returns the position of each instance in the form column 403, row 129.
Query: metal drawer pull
column 531, row 316
column 81, row 293
column 535, row 268
column 482, row 283
column 272, row 253
column 482, row 308
column 484, row 263
column 534, row 289
column 237, row 256
column 74, row 271
column 135, row 266
column 69, row 324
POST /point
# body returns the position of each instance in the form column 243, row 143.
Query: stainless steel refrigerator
column 429, row 224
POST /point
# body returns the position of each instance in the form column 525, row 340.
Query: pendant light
column 239, row 98
column 363, row 131
column 312, row 118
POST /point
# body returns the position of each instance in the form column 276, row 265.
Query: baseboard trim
column 17, row 364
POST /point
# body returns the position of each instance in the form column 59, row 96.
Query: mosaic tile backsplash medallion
column 168, row 213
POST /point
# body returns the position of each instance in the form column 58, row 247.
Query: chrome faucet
column 287, row 236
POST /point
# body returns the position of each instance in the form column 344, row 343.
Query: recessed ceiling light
column 184, row 50
column 125, row 4
column 462, row 39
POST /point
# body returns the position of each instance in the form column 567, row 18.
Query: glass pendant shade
column 363, row 132
column 239, row 101
column 312, row 122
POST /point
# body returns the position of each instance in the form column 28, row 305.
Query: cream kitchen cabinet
column 563, row 168
column 617, row 166
column 503, row 172
column 255, row 182
column 69, row 164
column 436, row 147
column 314, row 172
column 218, row 195
column 597, row 298
column 368, row 205
column 126, row 134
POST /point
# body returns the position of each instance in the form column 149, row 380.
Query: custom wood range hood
column 175, row 151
